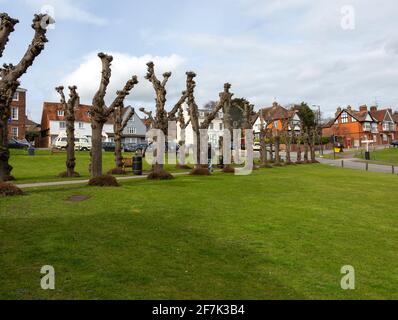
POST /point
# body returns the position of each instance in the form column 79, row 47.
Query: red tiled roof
column 81, row 113
column 274, row 113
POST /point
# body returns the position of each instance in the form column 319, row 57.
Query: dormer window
column 344, row 118
column 60, row 113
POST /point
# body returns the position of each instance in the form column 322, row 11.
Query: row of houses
column 352, row 127
column 349, row 126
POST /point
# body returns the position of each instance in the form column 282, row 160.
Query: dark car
column 394, row 143
column 133, row 147
column 108, row 146
column 17, row 144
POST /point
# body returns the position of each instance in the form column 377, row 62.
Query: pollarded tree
column 121, row 118
column 100, row 114
column 200, row 168
column 10, row 75
column 183, row 126
column 264, row 135
column 162, row 117
column 69, row 109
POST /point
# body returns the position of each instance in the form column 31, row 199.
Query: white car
column 81, row 144
column 257, row 146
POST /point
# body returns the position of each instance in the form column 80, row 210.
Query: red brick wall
column 21, row 122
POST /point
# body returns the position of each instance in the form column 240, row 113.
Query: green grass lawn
column 281, row 233
column 385, row 156
column 45, row 166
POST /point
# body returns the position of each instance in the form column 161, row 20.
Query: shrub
column 201, row 171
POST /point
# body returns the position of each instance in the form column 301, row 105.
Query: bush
column 104, row 181
column 9, row 190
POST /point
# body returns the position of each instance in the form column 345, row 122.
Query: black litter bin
column 31, row 151
column 137, row 165
column 367, row 155
column 221, row 162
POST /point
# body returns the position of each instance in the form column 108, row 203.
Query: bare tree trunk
column 299, row 158
column 69, row 109
column 5, row 168
column 306, row 147
column 277, row 139
column 96, row 149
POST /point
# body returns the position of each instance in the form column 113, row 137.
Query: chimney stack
column 373, row 109
column 363, row 108
column 338, row 111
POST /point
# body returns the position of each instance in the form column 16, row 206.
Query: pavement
column 79, row 182
column 358, row 165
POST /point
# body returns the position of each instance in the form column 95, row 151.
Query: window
column 16, row 96
column 211, row 126
column 14, row 133
column 60, row 113
column 14, row 114
column 81, row 125
column 62, row 125
column 132, row 130
column 276, row 124
column 344, row 118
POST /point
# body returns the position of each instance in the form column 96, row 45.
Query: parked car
column 257, row 146
column 108, row 146
column 18, row 144
column 394, row 144
column 133, row 147
column 81, row 143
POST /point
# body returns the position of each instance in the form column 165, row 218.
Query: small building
column 135, row 131
column 275, row 118
column 386, row 125
column 351, row 127
column 17, row 121
column 53, row 123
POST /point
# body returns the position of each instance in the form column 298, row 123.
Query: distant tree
column 120, row 122
column 69, row 109
column 161, row 119
column 200, row 169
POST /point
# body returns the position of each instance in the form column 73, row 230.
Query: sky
column 326, row 53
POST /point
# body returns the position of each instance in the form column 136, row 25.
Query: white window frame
column 131, row 130
column 81, row 125
column 61, row 113
column 62, row 127
column 344, row 118
column 14, row 132
column 16, row 109
column 16, row 96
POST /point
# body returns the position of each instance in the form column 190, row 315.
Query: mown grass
column 281, row 233
column 386, row 156
column 45, row 166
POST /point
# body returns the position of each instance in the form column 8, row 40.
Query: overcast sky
column 289, row 50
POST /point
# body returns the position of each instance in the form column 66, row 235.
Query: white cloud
column 66, row 10
column 87, row 77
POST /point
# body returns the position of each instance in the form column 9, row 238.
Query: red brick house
column 386, row 126
column 352, row 127
column 17, row 122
